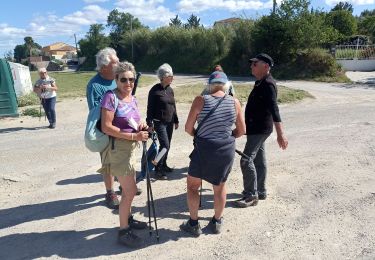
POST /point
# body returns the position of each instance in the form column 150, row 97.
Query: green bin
column 8, row 98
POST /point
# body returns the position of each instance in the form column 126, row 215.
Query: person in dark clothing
column 261, row 114
column 162, row 115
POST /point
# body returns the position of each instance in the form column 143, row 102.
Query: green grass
column 32, row 111
column 73, row 84
column 186, row 93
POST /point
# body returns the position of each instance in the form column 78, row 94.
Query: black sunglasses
column 125, row 80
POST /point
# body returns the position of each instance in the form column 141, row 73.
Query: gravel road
column 321, row 202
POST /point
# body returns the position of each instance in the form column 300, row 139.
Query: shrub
column 309, row 64
column 34, row 112
column 28, row 100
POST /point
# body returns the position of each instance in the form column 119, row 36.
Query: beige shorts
column 118, row 159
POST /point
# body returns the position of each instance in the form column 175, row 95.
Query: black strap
column 208, row 114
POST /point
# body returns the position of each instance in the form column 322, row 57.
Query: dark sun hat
column 263, row 57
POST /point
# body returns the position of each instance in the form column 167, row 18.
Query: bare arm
column 109, row 129
column 281, row 138
column 240, row 129
column 53, row 86
column 195, row 109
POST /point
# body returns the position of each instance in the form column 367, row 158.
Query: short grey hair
column 164, row 70
column 103, row 57
column 212, row 88
column 124, row 67
column 43, row 69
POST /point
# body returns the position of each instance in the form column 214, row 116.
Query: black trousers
column 164, row 132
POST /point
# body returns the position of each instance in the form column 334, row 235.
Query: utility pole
column 131, row 33
column 75, row 40
column 274, row 7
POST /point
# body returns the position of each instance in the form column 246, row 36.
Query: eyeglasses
column 126, row 80
column 254, row 63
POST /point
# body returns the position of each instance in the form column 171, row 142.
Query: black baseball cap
column 263, row 57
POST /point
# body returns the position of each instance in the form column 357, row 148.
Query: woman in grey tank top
column 214, row 148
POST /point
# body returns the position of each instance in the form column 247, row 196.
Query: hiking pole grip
column 159, row 156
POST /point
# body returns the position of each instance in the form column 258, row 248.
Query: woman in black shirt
column 162, row 115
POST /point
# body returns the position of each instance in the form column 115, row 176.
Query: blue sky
column 49, row 21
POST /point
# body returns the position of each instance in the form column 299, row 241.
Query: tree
column 192, row 22
column 89, row 46
column 29, row 42
column 368, row 13
column 343, row 6
column 343, row 21
column 119, row 23
column 175, row 22
column 20, row 52
column 29, row 48
column 366, row 26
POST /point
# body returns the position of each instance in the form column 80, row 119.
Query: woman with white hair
column 45, row 87
column 214, row 148
column 162, row 115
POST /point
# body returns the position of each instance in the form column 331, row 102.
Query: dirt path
column 321, row 190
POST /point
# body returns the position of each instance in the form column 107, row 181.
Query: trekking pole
column 150, row 197
column 200, row 195
column 242, row 154
column 40, row 109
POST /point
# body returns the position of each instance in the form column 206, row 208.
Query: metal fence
column 354, row 52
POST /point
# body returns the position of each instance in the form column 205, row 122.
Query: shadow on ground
column 72, row 244
column 15, row 129
column 48, row 210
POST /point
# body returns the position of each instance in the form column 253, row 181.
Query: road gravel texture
column 321, row 190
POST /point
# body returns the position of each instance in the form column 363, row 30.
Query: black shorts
column 212, row 159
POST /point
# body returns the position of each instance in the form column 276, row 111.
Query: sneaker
column 262, row 195
column 161, row 175
column 52, row 126
column 215, row 227
column 167, row 169
column 111, row 200
column 246, row 202
column 136, row 224
column 128, row 238
column 196, row 231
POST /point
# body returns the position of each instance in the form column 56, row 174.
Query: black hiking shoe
column 166, row 168
column 196, row 230
column 111, row 200
column 160, row 175
column 128, row 238
column 215, row 226
column 246, row 202
column 262, row 195
column 136, row 224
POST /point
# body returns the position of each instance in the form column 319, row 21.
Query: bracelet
column 132, row 136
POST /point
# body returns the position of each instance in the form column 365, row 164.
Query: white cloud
column 189, row 6
column 146, row 10
column 353, row 2
column 48, row 28
column 7, row 31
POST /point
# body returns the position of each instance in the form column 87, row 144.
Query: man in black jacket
column 261, row 114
